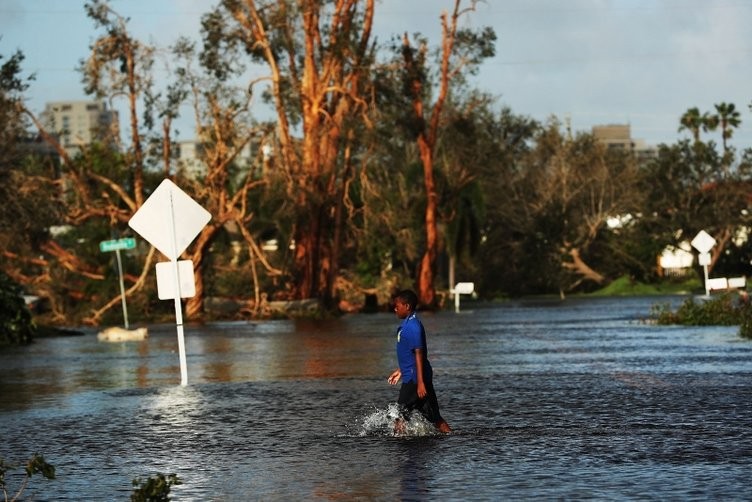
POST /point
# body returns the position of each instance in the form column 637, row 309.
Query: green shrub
column 35, row 465
column 745, row 326
column 626, row 286
column 154, row 488
column 728, row 309
column 16, row 326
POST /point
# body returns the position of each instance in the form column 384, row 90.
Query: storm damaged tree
column 223, row 129
column 105, row 183
column 689, row 188
column 101, row 187
column 14, row 126
column 17, row 216
column 512, row 249
column 28, row 188
column 120, row 65
column 318, row 56
column 225, row 187
column 461, row 50
column 22, row 218
column 569, row 189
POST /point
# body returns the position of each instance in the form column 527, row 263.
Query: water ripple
column 556, row 400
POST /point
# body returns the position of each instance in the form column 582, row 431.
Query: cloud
column 11, row 14
column 602, row 61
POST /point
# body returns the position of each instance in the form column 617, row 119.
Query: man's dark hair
column 409, row 297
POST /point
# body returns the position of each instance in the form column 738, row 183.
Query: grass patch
column 624, row 286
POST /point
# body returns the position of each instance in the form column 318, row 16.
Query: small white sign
column 166, row 280
column 737, row 282
column 464, row 288
column 704, row 258
column 717, row 284
column 169, row 208
column 703, row 242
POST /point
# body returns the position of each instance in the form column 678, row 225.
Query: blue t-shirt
column 410, row 336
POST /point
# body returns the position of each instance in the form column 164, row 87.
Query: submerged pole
column 178, row 304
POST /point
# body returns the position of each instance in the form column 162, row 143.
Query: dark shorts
column 409, row 400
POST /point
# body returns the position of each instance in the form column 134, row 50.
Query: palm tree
column 692, row 121
column 728, row 118
column 709, row 122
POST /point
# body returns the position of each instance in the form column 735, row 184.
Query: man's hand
column 422, row 390
column 419, row 368
column 394, row 377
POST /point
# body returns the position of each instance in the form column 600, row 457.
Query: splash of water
column 380, row 422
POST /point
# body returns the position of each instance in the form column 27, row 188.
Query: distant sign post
column 156, row 222
column 116, row 245
column 704, row 242
column 462, row 288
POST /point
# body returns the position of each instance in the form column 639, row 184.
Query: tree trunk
column 194, row 307
column 325, row 76
column 427, row 139
column 307, row 254
column 582, row 269
column 720, row 247
column 138, row 154
column 426, row 289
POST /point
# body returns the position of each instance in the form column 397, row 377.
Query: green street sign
column 114, row 245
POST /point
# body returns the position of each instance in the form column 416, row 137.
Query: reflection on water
column 566, row 400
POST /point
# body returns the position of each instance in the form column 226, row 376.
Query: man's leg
column 408, row 397
column 430, row 410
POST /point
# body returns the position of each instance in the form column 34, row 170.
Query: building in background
column 619, row 137
column 189, row 155
column 676, row 261
column 80, row 123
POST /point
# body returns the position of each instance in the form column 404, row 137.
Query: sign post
column 156, row 222
column 462, row 288
column 704, row 242
column 117, row 245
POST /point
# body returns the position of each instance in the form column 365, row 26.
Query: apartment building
column 80, row 123
column 619, row 137
column 189, row 158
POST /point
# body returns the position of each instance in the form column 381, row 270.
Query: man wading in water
column 414, row 369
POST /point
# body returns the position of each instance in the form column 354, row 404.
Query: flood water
column 573, row 400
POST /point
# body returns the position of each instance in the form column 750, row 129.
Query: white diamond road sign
column 169, row 220
column 703, row 242
column 153, row 221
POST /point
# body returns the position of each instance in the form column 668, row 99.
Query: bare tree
column 120, row 65
column 223, row 129
column 318, row 55
column 99, row 186
column 576, row 185
column 454, row 57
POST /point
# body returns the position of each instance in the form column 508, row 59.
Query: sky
column 588, row 62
